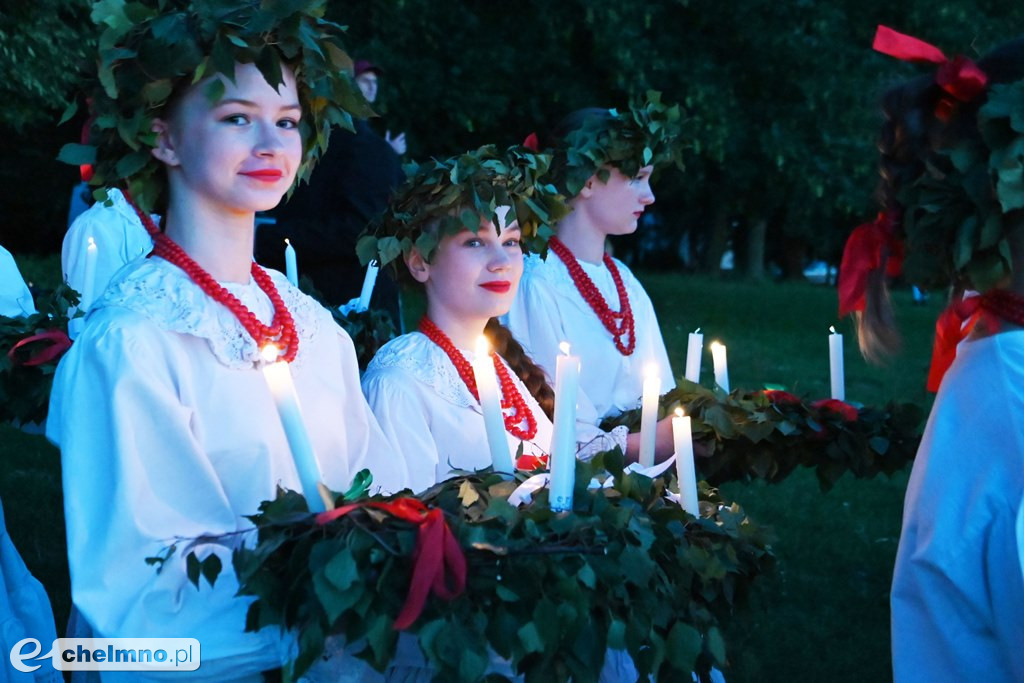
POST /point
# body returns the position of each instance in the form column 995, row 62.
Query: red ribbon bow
column 959, row 77
column 863, row 254
column 952, row 327
column 439, row 564
column 57, row 342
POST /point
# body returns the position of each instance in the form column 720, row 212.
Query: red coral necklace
column 511, row 399
column 620, row 324
column 281, row 331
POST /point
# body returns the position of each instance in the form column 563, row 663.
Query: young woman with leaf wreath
column 166, row 425
column 951, row 164
column 460, row 226
column 603, row 161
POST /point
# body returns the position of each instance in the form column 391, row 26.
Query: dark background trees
column 783, row 97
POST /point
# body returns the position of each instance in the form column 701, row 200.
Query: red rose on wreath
column 837, row 407
column 781, row 398
column 532, row 462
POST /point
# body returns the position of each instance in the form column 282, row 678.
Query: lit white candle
column 368, row 283
column 683, row 439
column 490, row 403
column 291, row 266
column 694, row 350
column 563, row 437
column 279, row 379
column 721, row 365
column 649, row 415
column 835, row 363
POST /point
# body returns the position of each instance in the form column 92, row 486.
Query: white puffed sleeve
column 398, row 405
column 135, row 478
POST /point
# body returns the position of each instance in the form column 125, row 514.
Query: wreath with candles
column 549, row 593
column 767, row 434
column 455, row 193
column 30, row 348
column 648, row 133
column 149, row 49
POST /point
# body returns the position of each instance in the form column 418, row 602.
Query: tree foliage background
column 783, row 96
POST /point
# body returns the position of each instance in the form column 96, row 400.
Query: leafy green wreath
column 766, row 434
column 151, row 48
column 955, row 213
column 455, row 193
column 549, row 592
column 649, row 133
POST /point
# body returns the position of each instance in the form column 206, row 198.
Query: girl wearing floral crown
column 165, row 421
column 578, row 293
column 950, row 161
column 460, row 226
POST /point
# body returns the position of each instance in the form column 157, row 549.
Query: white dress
column 120, row 239
column 958, row 593
column 426, row 410
column 167, row 429
column 15, row 298
column 549, row 310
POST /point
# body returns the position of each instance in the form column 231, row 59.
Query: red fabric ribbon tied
column 532, row 143
column 55, row 343
column 863, row 254
column 439, row 564
column 952, row 327
column 530, row 463
column 959, row 77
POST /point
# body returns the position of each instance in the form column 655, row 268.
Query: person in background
column 15, row 297
column 579, row 294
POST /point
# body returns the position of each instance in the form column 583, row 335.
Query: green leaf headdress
column 649, row 133
column 149, row 49
column 955, row 214
column 453, row 194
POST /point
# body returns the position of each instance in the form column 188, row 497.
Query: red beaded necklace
column 620, row 324
column 281, row 331
column 511, row 399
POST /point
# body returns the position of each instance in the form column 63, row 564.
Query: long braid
column 531, row 374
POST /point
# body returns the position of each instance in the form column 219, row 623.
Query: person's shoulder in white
column 15, row 297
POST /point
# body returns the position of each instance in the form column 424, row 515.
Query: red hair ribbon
column 952, row 327
column 56, row 343
column 86, row 170
column 532, row 143
column 439, row 564
column 959, row 77
column 863, row 254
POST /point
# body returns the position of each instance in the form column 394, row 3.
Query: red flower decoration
column 530, row 463
column 837, row 407
column 781, row 398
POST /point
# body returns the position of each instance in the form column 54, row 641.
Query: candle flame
column 270, row 353
column 564, row 346
column 92, row 243
column 715, row 345
column 832, row 329
column 651, row 370
column 287, row 242
column 483, row 347
column 680, row 413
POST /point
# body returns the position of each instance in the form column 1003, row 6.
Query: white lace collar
column 163, row 293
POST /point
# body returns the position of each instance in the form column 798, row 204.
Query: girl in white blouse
column 578, row 293
column 165, row 422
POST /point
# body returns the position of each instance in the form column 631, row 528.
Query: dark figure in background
column 324, row 218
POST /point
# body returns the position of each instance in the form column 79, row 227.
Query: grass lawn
column 823, row 615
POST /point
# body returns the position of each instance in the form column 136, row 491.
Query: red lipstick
column 267, row 175
column 498, row 286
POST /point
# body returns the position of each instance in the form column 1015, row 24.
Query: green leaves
column 443, row 197
column 550, row 593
